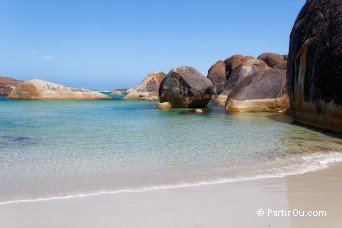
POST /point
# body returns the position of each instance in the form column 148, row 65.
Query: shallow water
column 70, row 148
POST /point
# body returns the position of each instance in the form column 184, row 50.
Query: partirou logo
column 288, row 213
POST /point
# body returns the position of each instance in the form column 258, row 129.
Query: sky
column 99, row 44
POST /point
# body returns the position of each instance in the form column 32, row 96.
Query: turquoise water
column 56, row 149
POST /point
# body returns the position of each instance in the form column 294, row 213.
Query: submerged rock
column 185, row 87
column 163, row 105
column 314, row 73
column 263, row 91
column 8, row 84
column 43, row 90
column 148, row 88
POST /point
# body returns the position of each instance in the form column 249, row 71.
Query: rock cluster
column 238, row 78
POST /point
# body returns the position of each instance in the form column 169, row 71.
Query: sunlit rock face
column 7, row 85
column 43, row 90
column 263, row 91
column 314, row 70
column 148, row 88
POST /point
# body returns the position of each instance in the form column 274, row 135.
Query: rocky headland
column 43, row 90
column 8, row 84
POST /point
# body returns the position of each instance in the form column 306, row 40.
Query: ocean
column 63, row 149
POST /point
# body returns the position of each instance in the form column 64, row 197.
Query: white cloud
column 34, row 52
column 41, row 56
column 48, row 57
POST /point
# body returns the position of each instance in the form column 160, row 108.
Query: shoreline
column 324, row 163
column 217, row 205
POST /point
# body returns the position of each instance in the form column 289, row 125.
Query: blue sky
column 115, row 44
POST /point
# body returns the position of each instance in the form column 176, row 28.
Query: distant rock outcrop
column 217, row 74
column 271, row 59
column 43, row 90
column 185, row 87
column 148, row 88
column 119, row 92
column 263, row 91
column 248, row 66
column 314, row 72
column 7, row 85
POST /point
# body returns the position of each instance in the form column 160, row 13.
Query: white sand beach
column 218, row 205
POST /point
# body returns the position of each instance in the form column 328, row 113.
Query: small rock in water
column 163, row 105
column 198, row 110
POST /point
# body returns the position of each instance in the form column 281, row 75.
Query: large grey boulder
column 263, row 91
column 314, row 70
column 185, row 87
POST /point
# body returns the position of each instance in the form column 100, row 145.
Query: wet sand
column 219, row 205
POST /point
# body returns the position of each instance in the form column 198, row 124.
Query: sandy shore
column 220, row 205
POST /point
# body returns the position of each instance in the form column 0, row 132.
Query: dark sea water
column 62, row 149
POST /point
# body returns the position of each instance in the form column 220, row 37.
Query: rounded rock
column 271, row 59
column 186, row 87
